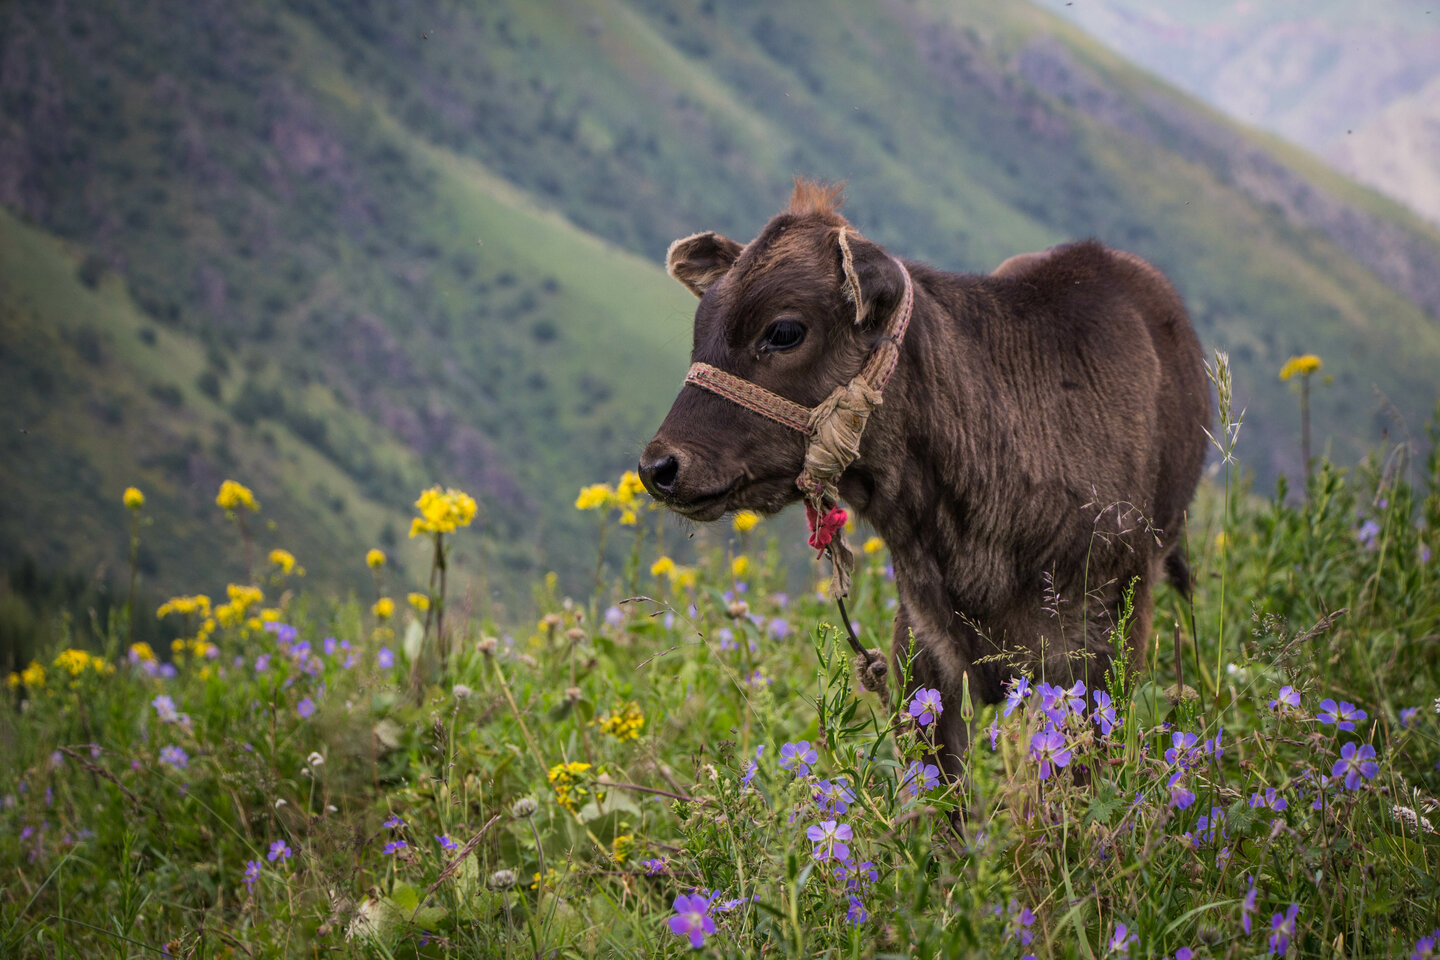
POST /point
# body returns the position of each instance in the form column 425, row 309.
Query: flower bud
column 573, row 694
column 738, row 609
column 524, row 808
column 502, row 879
column 487, row 645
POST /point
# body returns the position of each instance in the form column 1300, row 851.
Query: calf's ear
column 873, row 281
column 700, row 259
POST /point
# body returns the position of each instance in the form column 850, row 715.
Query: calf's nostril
column 659, row 476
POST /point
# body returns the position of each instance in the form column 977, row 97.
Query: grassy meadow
column 679, row 763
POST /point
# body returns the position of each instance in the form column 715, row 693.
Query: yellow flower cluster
column 32, row 676
column 740, row 565
column 745, row 521
column 384, row 608
column 1303, row 365
column 622, row 847
column 566, row 778
column 133, row 498
column 185, row 606
column 874, row 545
column 285, row 560
column 624, row 496
column 76, row 662
column 142, row 651
column 375, row 558
column 681, row 577
column 241, row 600
column 442, row 512
column 234, row 495
column 198, row 647
column 624, row 723
column 420, row 601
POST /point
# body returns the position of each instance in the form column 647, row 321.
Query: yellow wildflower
column 375, row 558
column 686, row 577
column 565, row 778
column 822, row 588
column 624, row 723
column 420, row 601
column 442, row 512
column 185, row 605
column 1302, row 365
column 384, row 608
column 271, row 614
column 75, row 662
column 664, row 567
column 234, row 495
column 33, row 676
column 177, row 646
column 1221, row 541
column 133, row 498
column 628, row 517
column 745, row 521
column 874, row 545
column 13, row 680
column 283, row 559
column 622, row 847
column 142, row 651
column 740, row 565
column 594, row 497
column 629, row 487
column 243, row 597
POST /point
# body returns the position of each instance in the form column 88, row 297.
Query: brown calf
column 1033, row 456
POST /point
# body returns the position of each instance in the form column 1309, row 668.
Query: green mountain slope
column 345, row 250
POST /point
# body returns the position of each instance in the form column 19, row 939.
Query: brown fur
column 1035, row 452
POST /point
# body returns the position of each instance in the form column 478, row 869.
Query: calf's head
column 796, row 311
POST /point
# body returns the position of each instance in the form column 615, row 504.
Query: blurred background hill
column 342, row 251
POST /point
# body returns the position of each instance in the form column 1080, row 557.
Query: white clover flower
column 461, row 691
column 315, row 759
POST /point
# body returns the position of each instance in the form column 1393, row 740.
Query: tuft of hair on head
column 812, row 198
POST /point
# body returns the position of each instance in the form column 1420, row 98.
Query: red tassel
column 823, row 530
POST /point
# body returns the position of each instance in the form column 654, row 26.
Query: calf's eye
column 782, row 335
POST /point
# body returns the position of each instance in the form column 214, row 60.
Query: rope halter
column 833, row 429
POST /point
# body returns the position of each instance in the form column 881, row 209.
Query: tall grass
column 635, row 775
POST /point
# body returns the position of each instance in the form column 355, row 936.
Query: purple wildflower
column 857, row 914
column 1058, row 703
column 1184, row 953
column 1269, row 798
column 1367, row 534
column 1407, row 717
column 165, row 708
column 1181, row 796
column 1344, row 716
column 726, row 636
column 926, row 707
column 1180, row 746
column 1247, row 905
column 1282, row 928
column 279, row 850
column 1121, row 939
column 1048, row 749
column 1019, row 924
column 754, row 766
column 830, row 839
column 1425, row 947
column 284, row 633
column 1104, row 715
column 857, row 876
column 993, row 732
column 394, row 823
column 779, row 628
column 329, row 645
column 692, row 919
column 1356, row 764
column 445, row 842
column 252, row 873
column 1015, row 696
column 655, row 867
column 614, row 616
column 385, row 658
column 262, row 663
column 394, row 846
column 306, row 708
column 175, row 757
column 797, row 757
column 921, row 778
column 834, row 796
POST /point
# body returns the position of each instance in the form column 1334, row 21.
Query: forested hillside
column 342, row 251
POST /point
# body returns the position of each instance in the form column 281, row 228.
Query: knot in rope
column 835, row 429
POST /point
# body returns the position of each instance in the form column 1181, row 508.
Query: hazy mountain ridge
column 424, row 245
column 1353, row 83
